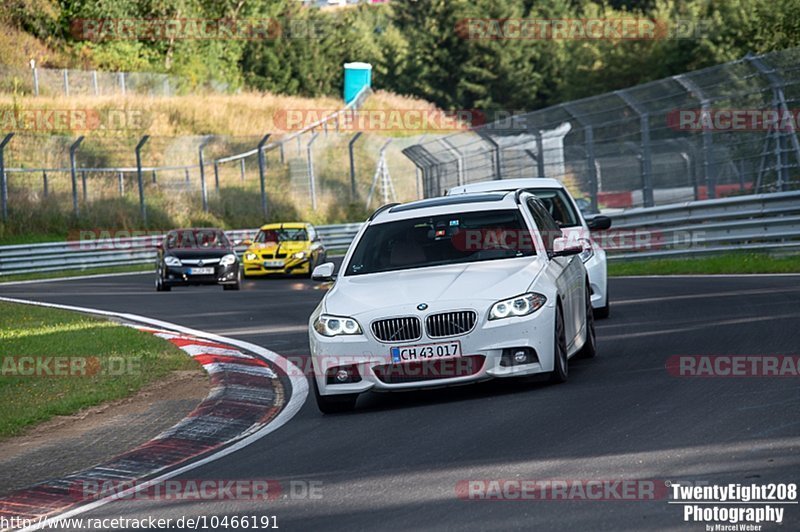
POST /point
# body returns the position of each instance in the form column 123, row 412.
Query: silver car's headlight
column 169, row 260
column 328, row 325
column 250, row 256
column 300, row 255
column 521, row 305
column 588, row 250
column 228, row 259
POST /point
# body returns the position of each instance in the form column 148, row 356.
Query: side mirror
column 599, row 223
column 562, row 247
column 323, row 272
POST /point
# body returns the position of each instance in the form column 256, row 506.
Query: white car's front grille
column 450, row 323
column 397, row 329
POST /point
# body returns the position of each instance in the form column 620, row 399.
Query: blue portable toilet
column 356, row 77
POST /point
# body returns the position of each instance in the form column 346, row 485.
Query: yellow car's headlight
column 300, row 255
column 250, row 256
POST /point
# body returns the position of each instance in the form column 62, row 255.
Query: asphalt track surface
column 394, row 463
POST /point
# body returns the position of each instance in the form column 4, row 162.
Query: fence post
column 35, row 79
column 66, row 82
column 121, row 185
column 498, row 161
column 155, row 177
column 539, row 153
column 459, row 160
column 3, row 177
column 216, row 176
column 186, row 175
column 647, row 162
column 83, row 184
column 140, row 180
column 203, row 188
column 44, row 183
column 312, row 185
column 94, row 83
column 283, row 154
column 241, row 168
column 74, row 175
column 353, row 166
column 594, row 187
column 262, row 168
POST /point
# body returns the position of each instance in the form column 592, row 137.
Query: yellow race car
column 283, row 248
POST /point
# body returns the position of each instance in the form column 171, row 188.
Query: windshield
column 197, row 238
column 438, row 240
column 558, row 205
column 281, row 235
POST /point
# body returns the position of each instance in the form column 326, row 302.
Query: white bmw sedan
column 564, row 209
column 447, row 291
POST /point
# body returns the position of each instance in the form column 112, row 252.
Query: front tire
column 560, row 355
column 334, row 404
column 160, row 286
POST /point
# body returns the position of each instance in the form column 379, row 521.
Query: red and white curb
column 254, row 392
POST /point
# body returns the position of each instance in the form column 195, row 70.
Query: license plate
column 273, row 264
column 201, row 271
column 410, row 353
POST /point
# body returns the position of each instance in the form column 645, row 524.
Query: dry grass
column 217, row 114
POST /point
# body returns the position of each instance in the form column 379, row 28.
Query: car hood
column 287, row 247
column 439, row 287
column 198, row 253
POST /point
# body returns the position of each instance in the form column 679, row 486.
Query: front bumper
column 597, row 269
column 486, row 343
column 181, row 276
column 291, row 266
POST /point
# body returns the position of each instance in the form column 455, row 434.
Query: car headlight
column 228, row 259
column 250, row 256
column 169, row 260
column 328, row 325
column 300, row 255
column 588, row 250
column 517, row 306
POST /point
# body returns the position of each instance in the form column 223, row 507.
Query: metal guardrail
column 756, row 222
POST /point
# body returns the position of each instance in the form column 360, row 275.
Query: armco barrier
column 756, row 222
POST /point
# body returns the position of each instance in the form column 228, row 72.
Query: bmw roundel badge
column 422, row 306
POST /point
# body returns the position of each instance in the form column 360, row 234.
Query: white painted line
column 298, row 398
column 704, row 275
column 73, row 278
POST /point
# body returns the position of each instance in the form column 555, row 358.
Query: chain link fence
column 721, row 131
column 320, row 173
column 38, row 81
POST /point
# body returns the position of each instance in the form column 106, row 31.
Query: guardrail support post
column 74, row 175
column 4, row 177
column 45, row 188
column 350, row 144
column 203, row 188
column 140, row 180
column 262, row 169
column 241, row 168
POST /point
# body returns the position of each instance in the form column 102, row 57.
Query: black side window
column 545, row 223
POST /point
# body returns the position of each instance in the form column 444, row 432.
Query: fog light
column 343, row 375
column 516, row 356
